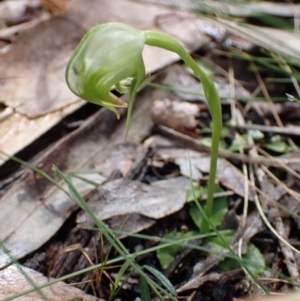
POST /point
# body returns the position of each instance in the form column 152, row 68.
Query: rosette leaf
column 106, row 55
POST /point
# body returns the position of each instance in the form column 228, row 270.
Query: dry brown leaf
column 13, row 281
column 227, row 174
column 33, row 70
column 132, row 223
column 178, row 115
column 17, row 131
column 122, row 197
column 122, row 157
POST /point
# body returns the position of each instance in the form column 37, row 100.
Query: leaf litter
column 102, row 168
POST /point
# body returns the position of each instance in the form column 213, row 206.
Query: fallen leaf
column 17, row 131
column 33, row 70
column 189, row 161
column 132, row 223
column 180, row 116
column 121, row 197
column 13, row 281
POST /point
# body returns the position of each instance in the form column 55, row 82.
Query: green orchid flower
column 106, row 55
column 111, row 53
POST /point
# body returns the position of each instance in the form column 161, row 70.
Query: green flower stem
column 163, row 41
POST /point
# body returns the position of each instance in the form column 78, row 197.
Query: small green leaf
column 209, row 130
column 276, row 146
column 253, row 259
column 207, row 141
column 219, row 209
column 237, row 145
column 256, row 134
column 204, row 131
column 217, row 243
column 162, row 278
column 194, row 191
column 166, row 255
column 217, row 246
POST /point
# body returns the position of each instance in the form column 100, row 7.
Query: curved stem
column 163, row 41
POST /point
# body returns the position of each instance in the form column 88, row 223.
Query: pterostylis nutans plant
column 111, row 53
